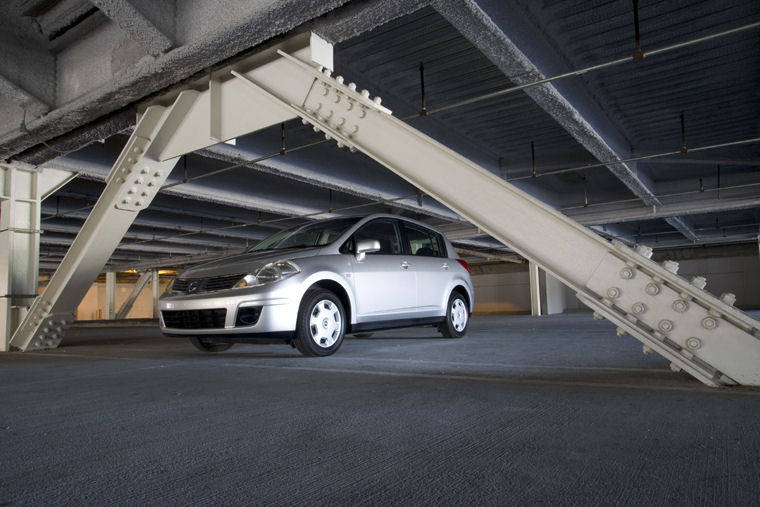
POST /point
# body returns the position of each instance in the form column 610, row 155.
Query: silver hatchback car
column 311, row 285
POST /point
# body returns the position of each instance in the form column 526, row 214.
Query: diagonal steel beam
column 136, row 290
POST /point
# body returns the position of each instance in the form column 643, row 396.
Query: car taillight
column 464, row 265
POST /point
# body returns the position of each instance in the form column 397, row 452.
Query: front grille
column 201, row 285
column 221, row 282
column 195, row 319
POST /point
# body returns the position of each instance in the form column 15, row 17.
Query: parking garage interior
column 638, row 120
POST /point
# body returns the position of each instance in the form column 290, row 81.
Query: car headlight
column 269, row 273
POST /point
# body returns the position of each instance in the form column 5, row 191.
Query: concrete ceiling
column 605, row 146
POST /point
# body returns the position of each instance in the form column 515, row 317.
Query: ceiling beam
column 139, row 21
column 582, row 118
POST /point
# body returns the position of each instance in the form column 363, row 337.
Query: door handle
column 405, row 265
column 445, row 265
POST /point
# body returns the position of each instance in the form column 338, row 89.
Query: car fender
column 321, row 276
column 456, row 282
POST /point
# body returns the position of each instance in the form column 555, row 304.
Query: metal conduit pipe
column 635, row 159
column 672, row 194
column 585, row 70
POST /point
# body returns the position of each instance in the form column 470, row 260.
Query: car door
column 384, row 282
column 431, row 265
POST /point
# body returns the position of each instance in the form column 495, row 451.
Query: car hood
column 245, row 263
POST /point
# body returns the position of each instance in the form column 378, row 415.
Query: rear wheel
column 321, row 323
column 207, row 345
column 457, row 317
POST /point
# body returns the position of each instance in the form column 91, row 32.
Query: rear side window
column 423, row 242
column 385, row 232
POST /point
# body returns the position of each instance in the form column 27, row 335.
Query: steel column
column 535, row 289
column 110, row 295
column 22, row 188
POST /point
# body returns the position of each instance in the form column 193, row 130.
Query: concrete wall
column 93, row 306
column 501, row 288
column 504, row 288
column 738, row 275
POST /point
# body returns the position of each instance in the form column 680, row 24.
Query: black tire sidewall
column 303, row 341
column 447, row 328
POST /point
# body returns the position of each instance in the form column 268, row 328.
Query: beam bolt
column 671, row 266
column 652, row 289
column 709, row 323
column 666, row 325
column 627, row 273
column 613, row 292
column 639, row 308
column 680, row 305
column 728, row 298
column 694, row 343
column 699, row 282
column 644, row 251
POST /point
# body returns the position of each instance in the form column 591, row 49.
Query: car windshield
column 305, row 236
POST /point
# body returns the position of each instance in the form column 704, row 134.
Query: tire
column 457, row 317
column 206, row 345
column 321, row 323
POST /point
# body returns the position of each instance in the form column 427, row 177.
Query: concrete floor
column 553, row 410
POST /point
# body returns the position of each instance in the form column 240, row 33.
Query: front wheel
column 321, row 323
column 457, row 317
column 208, row 345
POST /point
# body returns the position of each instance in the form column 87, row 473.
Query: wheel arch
column 340, row 291
column 465, row 292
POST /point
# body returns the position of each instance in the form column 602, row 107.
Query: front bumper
column 217, row 313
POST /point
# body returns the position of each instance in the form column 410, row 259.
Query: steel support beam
column 22, row 188
column 163, row 133
column 155, row 291
column 534, row 277
column 699, row 333
column 138, row 287
column 110, row 295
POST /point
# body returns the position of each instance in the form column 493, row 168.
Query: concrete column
column 535, row 289
column 155, row 291
column 110, row 295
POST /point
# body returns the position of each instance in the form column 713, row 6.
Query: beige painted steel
column 22, row 189
column 134, row 294
column 131, row 185
column 560, row 246
column 534, row 277
column 176, row 123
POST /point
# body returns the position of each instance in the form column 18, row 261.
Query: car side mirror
column 366, row 246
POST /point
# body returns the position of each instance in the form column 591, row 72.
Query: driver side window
column 385, row 232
